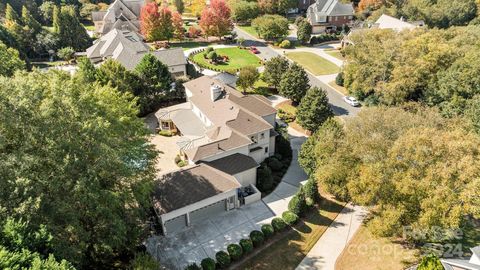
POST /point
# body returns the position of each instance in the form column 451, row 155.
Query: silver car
column 352, row 101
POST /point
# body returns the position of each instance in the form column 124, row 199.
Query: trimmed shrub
column 275, row 164
column 212, row 55
column 278, row 224
column 208, row 50
column 223, row 259
column 247, row 245
column 182, row 163
column 289, row 217
column 285, row 116
column 166, row 133
column 257, row 238
column 285, row 44
column 267, row 230
column 208, row 264
column 193, row 266
column 297, row 204
column 310, row 189
column 339, row 80
column 235, row 251
column 264, row 179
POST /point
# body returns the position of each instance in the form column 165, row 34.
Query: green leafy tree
column 66, row 53
column 314, row 109
column 156, row 80
column 304, row 31
column 75, row 146
column 294, row 83
column 114, row 74
column 274, row 70
column 31, row 25
column 244, row 11
column 10, row 59
column 247, row 78
column 283, row 6
column 271, row 27
column 86, row 70
column 70, row 31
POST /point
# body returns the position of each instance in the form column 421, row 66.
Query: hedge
column 208, row 264
column 267, row 230
column 298, row 204
column 223, row 259
column 289, row 217
column 247, row 245
column 235, row 251
column 257, row 238
column 285, row 44
column 310, row 189
column 193, row 266
column 278, row 224
column 274, row 164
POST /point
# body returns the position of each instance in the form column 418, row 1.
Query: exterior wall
column 241, row 150
column 246, row 178
column 264, row 142
column 202, row 116
column 180, row 70
column 257, row 196
column 271, row 148
column 340, row 20
column 317, row 29
column 192, row 207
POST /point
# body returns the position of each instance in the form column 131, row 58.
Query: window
column 254, row 139
column 262, row 136
column 266, row 150
column 165, row 125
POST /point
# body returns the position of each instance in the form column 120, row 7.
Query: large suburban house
column 326, row 15
column 224, row 135
column 464, row 264
column 128, row 49
column 121, row 14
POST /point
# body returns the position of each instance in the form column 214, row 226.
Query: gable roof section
column 389, row 22
column 258, row 105
column 248, row 124
column 331, row 8
column 234, row 164
column 181, row 188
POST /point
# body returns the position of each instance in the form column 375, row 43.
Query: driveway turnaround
column 327, row 249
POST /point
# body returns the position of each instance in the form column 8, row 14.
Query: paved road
column 339, row 106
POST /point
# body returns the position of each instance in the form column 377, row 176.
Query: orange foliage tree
column 215, row 20
column 372, row 4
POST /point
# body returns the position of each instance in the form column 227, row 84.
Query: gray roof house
column 224, row 135
column 128, row 48
column 326, row 15
column 121, row 14
column 464, row 264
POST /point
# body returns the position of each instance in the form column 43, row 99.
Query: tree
column 314, row 109
column 197, row 7
column 177, row 22
column 66, row 53
column 179, row 6
column 294, row 83
column 11, row 17
column 10, row 59
column 85, row 149
column 86, row 70
column 244, row 11
column 274, row 70
column 156, row 22
column 271, row 27
column 267, row 6
column 369, row 4
column 156, row 80
column 283, row 6
column 114, row 74
column 70, row 31
column 304, row 31
column 215, row 19
column 247, row 78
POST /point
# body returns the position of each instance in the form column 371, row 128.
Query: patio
column 177, row 250
column 169, row 149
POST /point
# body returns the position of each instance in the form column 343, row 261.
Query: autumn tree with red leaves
column 156, row 22
column 177, row 22
column 369, row 4
column 215, row 19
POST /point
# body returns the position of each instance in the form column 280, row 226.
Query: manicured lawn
column 289, row 251
column 250, row 30
column 238, row 58
column 89, row 27
column 189, row 44
column 367, row 252
column 288, row 107
column 336, row 54
column 314, row 63
column 339, row 88
column 261, row 88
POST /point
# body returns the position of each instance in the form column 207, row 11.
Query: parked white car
column 352, row 101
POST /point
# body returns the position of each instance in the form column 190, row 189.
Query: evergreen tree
column 86, row 70
column 70, row 31
column 314, row 109
column 274, row 70
column 56, row 19
column 116, row 75
column 11, row 16
column 294, row 83
column 30, row 24
column 180, row 6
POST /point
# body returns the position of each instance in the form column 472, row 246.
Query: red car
column 254, row 50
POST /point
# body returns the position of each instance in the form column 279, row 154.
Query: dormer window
column 254, row 139
column 262, row 136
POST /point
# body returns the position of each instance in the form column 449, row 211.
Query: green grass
column 314, row 63
column 261, row 88
column 89, row 27
column 287, row 107
column 189, row 44
column 336, row 54
column 250, row 30
column 289, row 251
column 238, row 58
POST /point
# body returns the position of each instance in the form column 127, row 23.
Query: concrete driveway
column 177, row 250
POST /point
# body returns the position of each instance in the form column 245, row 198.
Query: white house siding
column 202, row 116
column 180, row 70
column 271, row 148
column 261, row 154
column 247, row 177
column 241, row 150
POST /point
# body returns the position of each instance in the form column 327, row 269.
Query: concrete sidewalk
column 327, row 249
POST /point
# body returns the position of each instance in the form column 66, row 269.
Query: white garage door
column 207, row 212
column 176, row 224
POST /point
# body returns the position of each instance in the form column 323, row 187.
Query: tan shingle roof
column 185, row 187
column 234, row 164
column 235, row 140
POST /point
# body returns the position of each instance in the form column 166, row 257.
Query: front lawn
column 335, row 53
column 261, row 88
column 314, row 63
column 238, row 58
column 249, row 29
column 287, row 112
column 187, row 45
column 289, row 251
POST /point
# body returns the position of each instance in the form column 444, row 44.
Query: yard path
column 329, row 247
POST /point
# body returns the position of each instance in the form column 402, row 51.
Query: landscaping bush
column 212, row 55
column 339, row 80
column 285, row 44
column 278, row 224
column 208, row 50
column 223, row 259
column 235, row 251
column 285, row 116
column 297, row 204
column 208, row 264
column 166, row 133
column 247, row 245
column 257, row 238
column 264, row 179
column 193, row 266
column 182, row 163
column 289, row 217
column 267, row 230
column 310, row 189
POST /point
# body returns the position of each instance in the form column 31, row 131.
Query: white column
column 187, row 218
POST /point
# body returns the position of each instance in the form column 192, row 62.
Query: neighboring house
column 128, row 48
column 326, row 15
column 224, row 137
column 384, row 22
column 121, row 14
column 464, row 264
